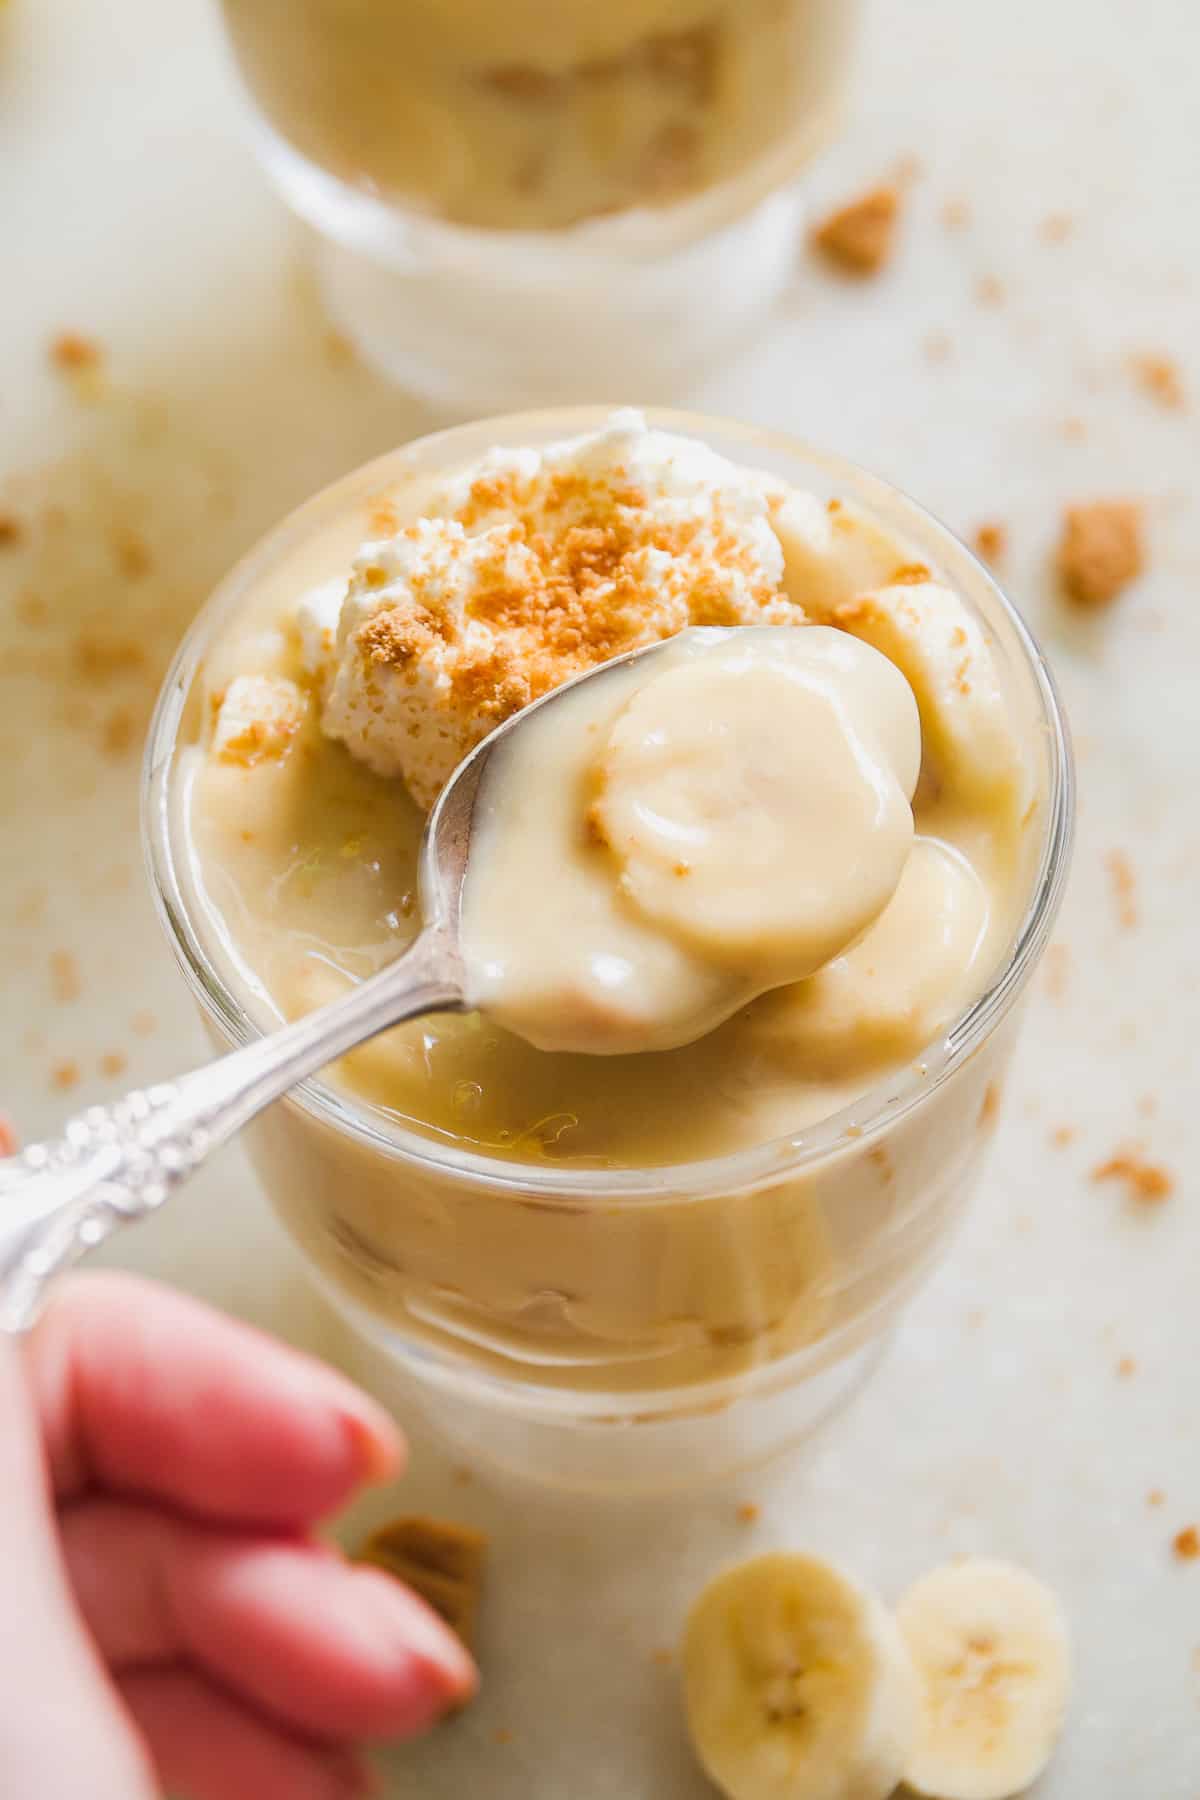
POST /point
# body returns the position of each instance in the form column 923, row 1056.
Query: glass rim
column 877, row 1109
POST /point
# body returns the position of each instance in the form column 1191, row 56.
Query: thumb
column 62, row 1730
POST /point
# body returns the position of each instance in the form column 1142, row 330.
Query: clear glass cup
column 637, row 1328
column 516, row 202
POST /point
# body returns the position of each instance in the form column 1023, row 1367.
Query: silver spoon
column 115, row 1164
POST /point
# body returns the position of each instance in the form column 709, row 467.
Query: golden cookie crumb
column 748, row 1513
column 1186, row 1544
column 113, row 1062
column 859, row 237
column 71, row 351
column 1159, row 378
column 440, row 1561
column 65, row 982
column 1124, row 887
column 1100, row 551
column 989, row 1109
column 1056, row 228
column 1147, row 1183
column 65, row 1075
column 990, row 541
column 11, row 530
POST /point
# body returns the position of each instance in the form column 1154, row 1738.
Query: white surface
column 998, row 1423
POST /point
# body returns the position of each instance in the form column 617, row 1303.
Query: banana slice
column 797, row 1684
column 756, row 799
column 828, row 557
column 990, row 1648
column 933, row 640
column 888, row 995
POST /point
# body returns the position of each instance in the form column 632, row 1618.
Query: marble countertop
column 1039, row 1401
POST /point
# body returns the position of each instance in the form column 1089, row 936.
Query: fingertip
column 377, row 1443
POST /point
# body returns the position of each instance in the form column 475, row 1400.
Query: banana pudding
column 726, row 903
column 536, row 116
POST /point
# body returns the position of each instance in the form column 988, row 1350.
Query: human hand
column 167, row 1623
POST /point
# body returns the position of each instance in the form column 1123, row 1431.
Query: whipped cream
column 530, row 567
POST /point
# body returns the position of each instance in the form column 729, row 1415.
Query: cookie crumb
column 1073, row 430
column 1159, row 379
column 1124, row 887
column 1126, row 1368
column 1062, row 1135
column 65, row 981
column 1058, row 970
column 989, row 1107
column 143, row 1024
column 1056, row 228
column 991, row 540
column 1155, row 1497
column 113, row 1062
column 440, row 1561
column 1186, row 1544
column 71, row 351
column 748, row 1513
column 989, row 290
column 1100, row 551
column 64, row 1075
column 11, row 530
column 859, row 238
column 1147, row 1183
column 502, row 1735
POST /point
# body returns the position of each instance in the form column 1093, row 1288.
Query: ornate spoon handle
column 114, row 1164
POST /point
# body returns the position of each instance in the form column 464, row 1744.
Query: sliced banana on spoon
column 797, row 1684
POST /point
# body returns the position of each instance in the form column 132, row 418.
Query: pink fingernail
column 379, row 1448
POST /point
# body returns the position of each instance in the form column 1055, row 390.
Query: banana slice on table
column 965, row 717
column 797, row 1684
column 990, row 1647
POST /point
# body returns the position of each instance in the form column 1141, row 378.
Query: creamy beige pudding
column 538, row 114
column 658, row 849
column 327, row 715
column 844, row 782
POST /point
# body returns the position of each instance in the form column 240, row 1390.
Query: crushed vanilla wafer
column 1100, row 551
column 531, row 568
column 859, row 238
column 440, row 1561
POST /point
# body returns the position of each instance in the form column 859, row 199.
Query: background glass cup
column 517, row 199
column 639, row 1328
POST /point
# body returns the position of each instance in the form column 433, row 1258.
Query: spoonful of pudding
column 618, row 868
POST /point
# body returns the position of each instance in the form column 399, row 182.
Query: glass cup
column 517, row 201
column 646, row 1328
